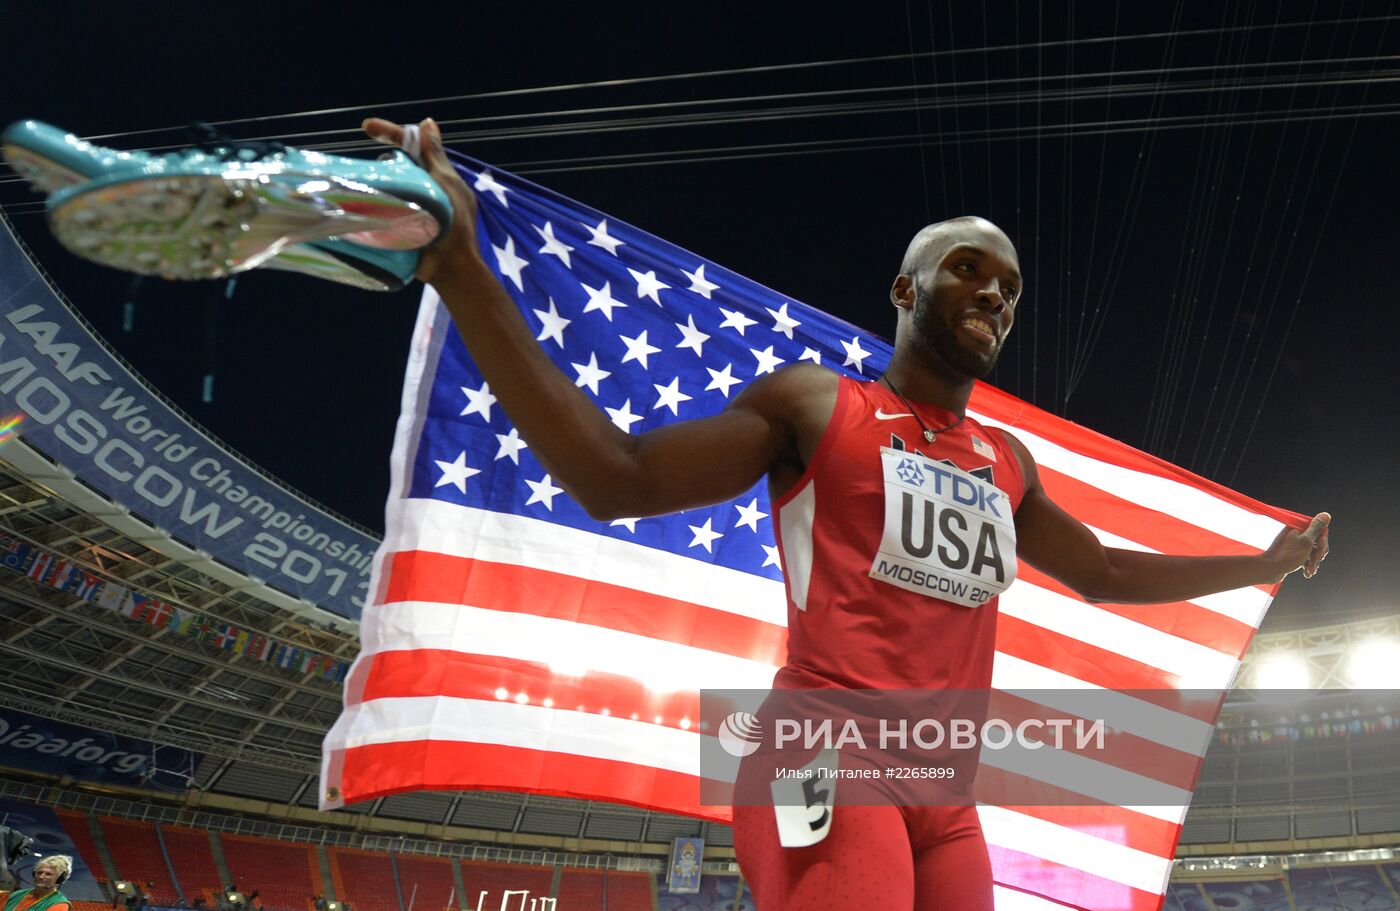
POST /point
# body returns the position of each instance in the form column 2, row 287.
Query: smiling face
column 45, row 876
column 958, row 291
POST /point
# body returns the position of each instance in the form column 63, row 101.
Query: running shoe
column 225, row 207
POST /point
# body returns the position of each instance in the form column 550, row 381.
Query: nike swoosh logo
column 881, row 416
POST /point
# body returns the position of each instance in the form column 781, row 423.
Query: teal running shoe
column 227, row 207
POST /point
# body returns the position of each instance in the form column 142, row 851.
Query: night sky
column 1204, row 198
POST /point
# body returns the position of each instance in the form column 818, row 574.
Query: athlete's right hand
column 460, row 240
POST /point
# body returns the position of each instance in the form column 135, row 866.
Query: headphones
column 61, row 878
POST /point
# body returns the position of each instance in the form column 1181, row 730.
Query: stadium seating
column 135, row 849
column 628, row 891
column 582, row 889
column 495, row 879
column 596, row 889
column 426, row 883
column 364, row 879
column 90, row 906
column 284, row 874
column 80, row 833
column 193, row 860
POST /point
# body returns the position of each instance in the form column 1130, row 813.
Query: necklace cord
column 930, row 433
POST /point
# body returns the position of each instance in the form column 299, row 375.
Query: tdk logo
column 740, row 734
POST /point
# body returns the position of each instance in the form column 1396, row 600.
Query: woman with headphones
column 49, row 873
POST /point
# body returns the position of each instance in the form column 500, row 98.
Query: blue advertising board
column 89, row 412
column 44, row 745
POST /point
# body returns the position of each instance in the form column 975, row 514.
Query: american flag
column 514, row 643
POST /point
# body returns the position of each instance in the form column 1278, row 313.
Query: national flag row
column 1320, row 730
column 61, row 574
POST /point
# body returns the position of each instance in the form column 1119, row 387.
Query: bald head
column 932, row 243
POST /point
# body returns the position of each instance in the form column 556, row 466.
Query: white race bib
column 948, row 534
column 804, row 803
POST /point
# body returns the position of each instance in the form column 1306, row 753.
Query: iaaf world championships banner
column 86, row 410
column 44, row 745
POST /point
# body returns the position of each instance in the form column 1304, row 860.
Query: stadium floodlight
column 1282, row 672
column 1375, row 665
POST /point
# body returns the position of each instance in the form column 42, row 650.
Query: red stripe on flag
column 1180, row 618
column 1068, row 885
column 1129, row 752
column 1101, row 667
column 460, row 675
column 1116, row 824
column 442, row 579
column 1158, row 530
column 1006, row 408
column 379, row 769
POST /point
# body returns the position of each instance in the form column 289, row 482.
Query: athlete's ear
column 902, row 292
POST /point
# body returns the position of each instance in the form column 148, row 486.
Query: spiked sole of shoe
column 210, row 226
column 44, row 174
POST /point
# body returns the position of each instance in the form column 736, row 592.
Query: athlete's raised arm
column 1059, row 545
column 611, row 473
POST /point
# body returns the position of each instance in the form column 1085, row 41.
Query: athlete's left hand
column 1305, row 550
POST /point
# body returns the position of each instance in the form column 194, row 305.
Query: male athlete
column 818, row 438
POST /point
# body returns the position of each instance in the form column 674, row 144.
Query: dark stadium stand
column 284, row 874
column 135, row 849
column 78, row 829
column 193, row 860
column 365, row 879
column 1359, row 886
column 495, row 879
column 426, row 883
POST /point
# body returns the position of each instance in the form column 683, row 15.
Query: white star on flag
column 511, row 444
column 670, row 395
column 456, row 472
column 623, row 417
column 629, row 524
column 553, row 324
column 767, row 360
column 722, row 379
column 553, row 245
column 601, row 238
column 735, row 319
column 692, row 337
column 590, row 374
column 486, row 183
column 705, row 536
column 781, row 321
column 699, row 284
column 749, row 515
column 479, row 401
column 543, row 491
column 772, row 551
column 638, row 349
column 601, row 299
column 648, row 285
column 810, row 354
column 510, row 264
column 855, row 354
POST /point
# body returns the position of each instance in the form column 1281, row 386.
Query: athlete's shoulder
column 1030, row 476
column 791, row 386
